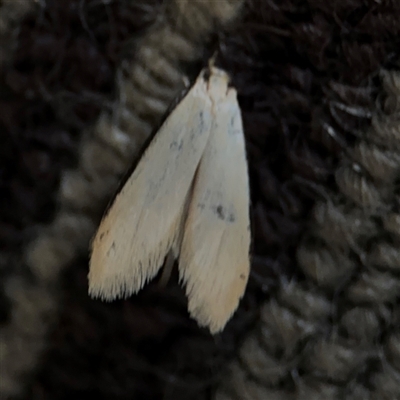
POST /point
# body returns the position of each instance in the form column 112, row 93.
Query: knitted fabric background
column 82, row 85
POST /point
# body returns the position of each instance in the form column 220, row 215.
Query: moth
column 189, row 197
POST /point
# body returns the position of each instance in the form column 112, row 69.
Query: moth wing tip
column 215, row 324
column 105, row 292
column 210, row 316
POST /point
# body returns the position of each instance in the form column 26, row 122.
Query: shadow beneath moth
column 187, row 197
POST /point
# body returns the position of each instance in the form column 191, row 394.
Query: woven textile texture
column 83, row 84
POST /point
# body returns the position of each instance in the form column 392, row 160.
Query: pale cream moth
column 189, row 195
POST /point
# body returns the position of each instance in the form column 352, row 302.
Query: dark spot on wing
column 176, row 145
column 197, row 129
column 223, row 215
column 103, row 234
column 242, row 276
column 220, row 212
column 111, row 249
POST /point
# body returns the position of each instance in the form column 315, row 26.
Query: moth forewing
column 189, row 195
column 145, row 219
column 214, row 261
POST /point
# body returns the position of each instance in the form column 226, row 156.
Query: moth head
column 217, row 83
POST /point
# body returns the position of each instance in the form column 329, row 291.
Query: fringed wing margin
column 214, row 259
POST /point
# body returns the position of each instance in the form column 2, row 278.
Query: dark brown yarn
column 303, row 99
column 12, row 13
column 297, row 66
